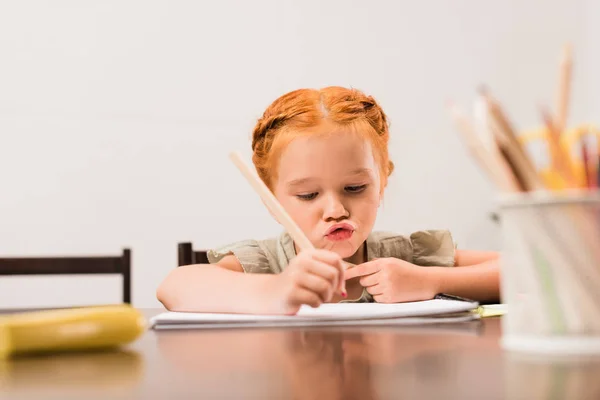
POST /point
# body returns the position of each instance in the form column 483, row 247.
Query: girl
column 324, row 155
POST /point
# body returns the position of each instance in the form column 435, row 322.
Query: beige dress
column 272, row 256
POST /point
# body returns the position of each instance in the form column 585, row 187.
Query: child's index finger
column 368, row 268
column 342, row 287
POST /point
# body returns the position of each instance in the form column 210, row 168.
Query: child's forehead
column 328, row 142
column 326, row 155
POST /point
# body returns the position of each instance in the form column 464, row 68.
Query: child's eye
column 355, row 189
column 307, row 196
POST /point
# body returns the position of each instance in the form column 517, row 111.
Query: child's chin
column 345, row 250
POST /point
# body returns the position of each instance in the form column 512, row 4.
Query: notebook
column 439, row 310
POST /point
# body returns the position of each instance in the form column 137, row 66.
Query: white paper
column 326, row 314
column 407, row 321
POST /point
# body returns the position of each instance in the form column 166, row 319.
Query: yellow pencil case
column 74, row 329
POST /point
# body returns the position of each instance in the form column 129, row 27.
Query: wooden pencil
column 488, row 159
column 564, row 88
column 510, row 147
column 271, row 202
column 275, row 207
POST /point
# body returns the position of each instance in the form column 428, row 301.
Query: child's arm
column 465, row 258
column 213, row 288
column 311, row 278
column 391, row 280
column 481, row 281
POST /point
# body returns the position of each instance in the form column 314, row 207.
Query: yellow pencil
column 560, row 158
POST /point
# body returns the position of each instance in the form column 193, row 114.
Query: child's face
column 329, row 184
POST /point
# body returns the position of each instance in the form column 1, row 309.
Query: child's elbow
column 166, row 295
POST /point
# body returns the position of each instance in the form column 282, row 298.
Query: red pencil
column 597, row 159
column 592, row 167
column 597, row 171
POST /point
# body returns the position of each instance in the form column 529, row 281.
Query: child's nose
column 334, row 209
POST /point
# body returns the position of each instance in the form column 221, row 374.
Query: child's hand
column 391, row 280
column 312, row 278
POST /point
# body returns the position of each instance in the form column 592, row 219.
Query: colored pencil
column 564, row 88
column 585, row 161
column 510, row 147
column 560, row 159
column 492, row 163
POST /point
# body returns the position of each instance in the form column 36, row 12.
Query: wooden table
column 437, row 362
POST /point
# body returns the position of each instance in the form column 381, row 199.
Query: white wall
column 591, row 75
column 116, row 117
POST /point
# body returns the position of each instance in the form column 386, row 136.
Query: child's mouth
column 340, row 234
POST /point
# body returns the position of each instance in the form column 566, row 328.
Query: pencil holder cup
column 550, row 272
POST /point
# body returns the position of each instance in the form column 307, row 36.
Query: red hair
column 302, row 111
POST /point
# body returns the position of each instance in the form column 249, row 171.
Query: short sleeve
column 248, row 252
column 433, row 248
